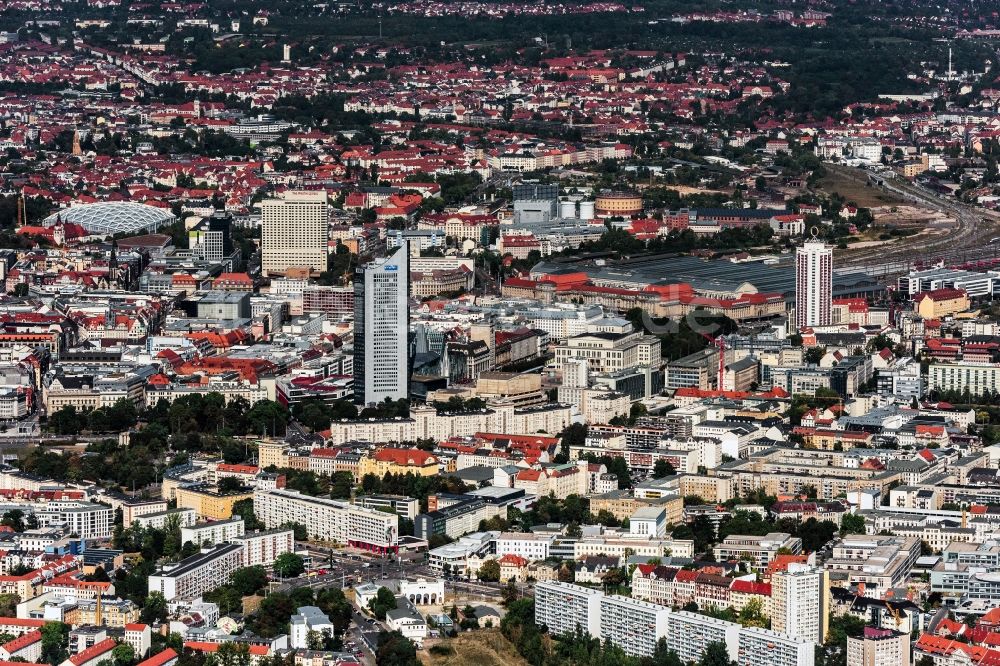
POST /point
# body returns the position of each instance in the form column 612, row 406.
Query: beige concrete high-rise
column 879, row 647
column 294, row 232
column 800, row 602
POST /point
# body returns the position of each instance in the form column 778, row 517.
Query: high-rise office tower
column 381, row 329
column 212, row 239
column 813, row 284
column 800, row 602
column 294, row 232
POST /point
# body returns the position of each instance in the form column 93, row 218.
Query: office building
column 758, row 551
column 211, row 239
column 402, row 506
column 800, row 602
column 381, row 329
column 813, row 284
column 879, row 647
column 454, row 520
column 329, row 520
column 563, row 607
column 335, row 303
column 198, row 574
column 294, row 233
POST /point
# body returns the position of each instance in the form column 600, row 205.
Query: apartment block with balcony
column 198, row 574
column 562, row 607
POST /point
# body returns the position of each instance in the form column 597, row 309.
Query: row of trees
column 191, row 424
column 814, row 533
column 519, row 627
column 194, row 413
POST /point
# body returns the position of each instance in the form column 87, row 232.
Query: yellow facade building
column 399, row 461
column 209, row 503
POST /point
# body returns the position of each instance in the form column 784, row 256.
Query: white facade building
column 198, row 574
column 329, row 520
column 186, row 517
column 634, row 625
column 528, row 545
column 813, row 284
column 307, row 619
column 690, row 634
column 381, row 329
column 799, row 602
column 563, row 607
column 764, row 647
column 220, row 531
column 263, row 548
column 294, row 232
column 86, row 520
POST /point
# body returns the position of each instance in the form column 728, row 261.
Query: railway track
column 967, row 239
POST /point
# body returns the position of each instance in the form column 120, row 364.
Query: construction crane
column 895, row 614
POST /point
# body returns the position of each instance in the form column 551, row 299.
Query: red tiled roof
column 405, row 457
column 19, row 622
column 202, row 646
column 237, row 469
column 22, row 641
column 92, row 652
column 160, row 658
column 750, row 587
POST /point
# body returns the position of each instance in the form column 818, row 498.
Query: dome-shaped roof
column 114, row 217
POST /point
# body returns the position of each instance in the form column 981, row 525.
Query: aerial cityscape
column 500, row 332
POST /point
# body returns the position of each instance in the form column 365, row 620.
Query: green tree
column 66, row 421
column 394, row 649
column 172, row 535
column 813, row 355
column 229, row 485
column 226, row 598
column 8, row 605
column 272, row 617
column 289, row 565
column 154, row 608
column 382, row 602
column 233, row 654
column 662, row 468
column 490, row 571
column 268, row 417
column 13, row 519
column 244, row 509
column 54, row 640
column 716, row 654
column 248, row 580
column 123, row 654
column 341, row 485
column 852, row 523
column 664, row 656
column 752, row 614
